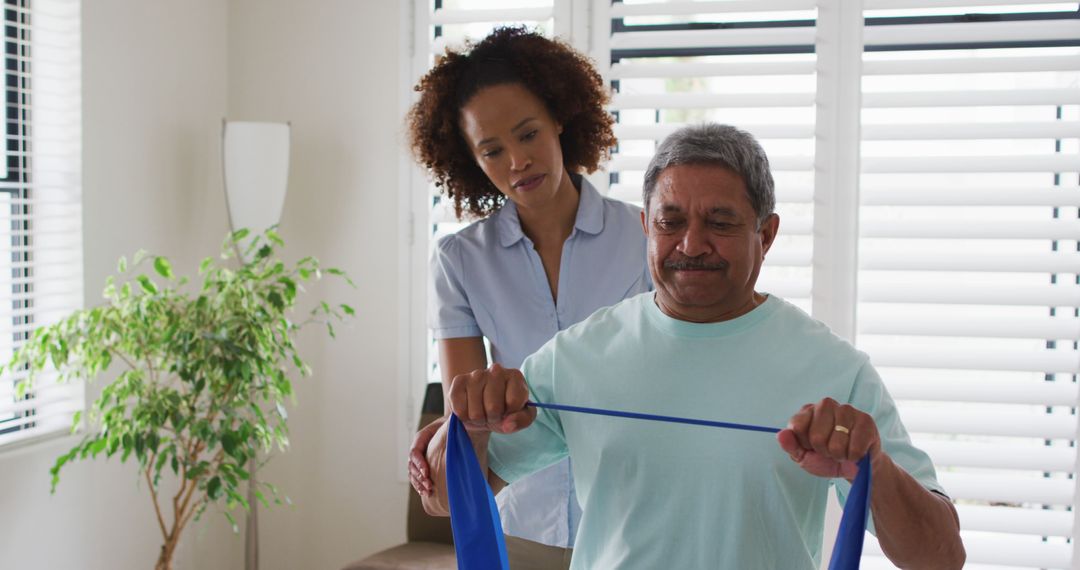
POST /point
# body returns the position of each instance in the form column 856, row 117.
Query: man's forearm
column 438, row 503
column 916, row 528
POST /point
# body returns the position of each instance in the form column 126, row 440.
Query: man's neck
column 708, row 314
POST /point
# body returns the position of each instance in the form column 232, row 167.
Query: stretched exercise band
column 478, row 535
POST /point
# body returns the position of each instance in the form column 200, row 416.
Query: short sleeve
column 543, row 443
column 449, row 312
column 870, row 395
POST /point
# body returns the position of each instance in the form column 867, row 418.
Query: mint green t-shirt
column 659, row 495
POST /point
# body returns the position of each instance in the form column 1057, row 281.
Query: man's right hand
column 492, row 400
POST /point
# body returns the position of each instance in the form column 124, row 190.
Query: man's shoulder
column 799, row 329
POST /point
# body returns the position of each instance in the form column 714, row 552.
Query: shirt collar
column 590, row 214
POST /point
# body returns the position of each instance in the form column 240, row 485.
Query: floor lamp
column 255, row 163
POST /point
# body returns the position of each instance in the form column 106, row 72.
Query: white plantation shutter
column 928, row 183
column 968, row 258
column 675, row 63
column 438, row 25
column 451, row 24
column 40, row 203
column 433, row 26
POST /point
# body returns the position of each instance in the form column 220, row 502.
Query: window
column 927, row 163
column 968, row 258
column 40, row 217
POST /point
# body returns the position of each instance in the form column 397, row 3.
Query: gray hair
column 722, row 145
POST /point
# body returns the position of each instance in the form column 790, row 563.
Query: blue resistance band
column 478, row 535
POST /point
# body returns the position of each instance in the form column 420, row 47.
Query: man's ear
column 768, row 231
column 644, row 224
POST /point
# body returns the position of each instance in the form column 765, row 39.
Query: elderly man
column 706, row 345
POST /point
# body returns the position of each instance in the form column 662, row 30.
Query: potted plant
column 204, row 374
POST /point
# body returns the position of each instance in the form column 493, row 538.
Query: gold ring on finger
column 842, row 429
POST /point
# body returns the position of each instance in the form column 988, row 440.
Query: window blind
column 450, row 23
column 40, row 203
column 750, row 64
column 968, row 263
column 926, row 161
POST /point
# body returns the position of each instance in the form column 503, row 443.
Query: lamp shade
column 255, row 158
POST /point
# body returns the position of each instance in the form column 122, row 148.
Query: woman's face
column 515, row 140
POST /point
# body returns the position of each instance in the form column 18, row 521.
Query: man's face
column 705, row 246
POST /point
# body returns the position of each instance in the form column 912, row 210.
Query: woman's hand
column 419, row 471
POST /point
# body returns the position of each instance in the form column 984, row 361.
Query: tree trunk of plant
column 165, row 559
column 251, row 539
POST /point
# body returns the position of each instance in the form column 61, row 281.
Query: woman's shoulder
column 621, row 208
column 622, row 218
column 480, row 235
column 607, row 322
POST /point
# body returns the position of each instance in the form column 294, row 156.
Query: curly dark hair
column 562, row 78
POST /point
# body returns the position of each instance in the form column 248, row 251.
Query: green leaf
column 348, row 310
column 290, row 288
column 98, row 446
column 113, row 445
column 230, row 442
column 110, row 288
column 147, row 285
column 206, row 264
column 60, row 462
column 342, row 274
column 161, row 462
column 121, row 266
column 240, row 234
column 163, row 267
column 232, row 521
column 198, row 470
column 274, row 238
column 213, row 488
column 139, row 256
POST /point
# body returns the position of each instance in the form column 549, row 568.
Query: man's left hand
column 826, row 439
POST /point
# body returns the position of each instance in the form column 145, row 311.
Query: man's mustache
column 693, row 264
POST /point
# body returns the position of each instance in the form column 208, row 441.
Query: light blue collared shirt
column 487, row 280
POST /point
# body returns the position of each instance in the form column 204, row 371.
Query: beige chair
column 430, row 542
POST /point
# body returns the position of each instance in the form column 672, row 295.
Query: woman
column 506, row 128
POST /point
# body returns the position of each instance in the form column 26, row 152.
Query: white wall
column 154, row 77
column 331, row 69
column 158, row 77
